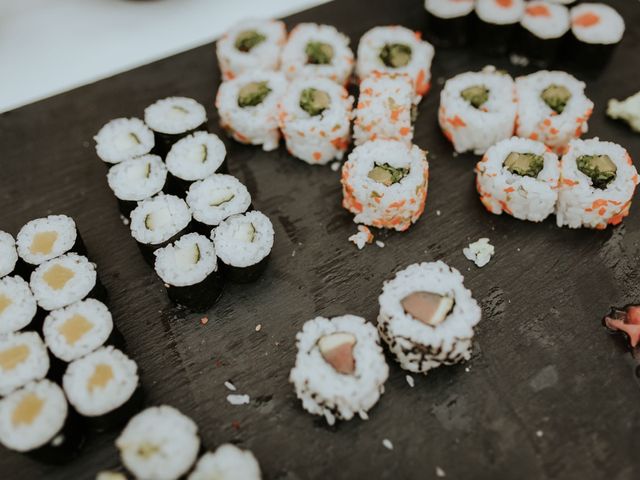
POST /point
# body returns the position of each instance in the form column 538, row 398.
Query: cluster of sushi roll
column 497, row 22
column 449, row 21
column 543, row 29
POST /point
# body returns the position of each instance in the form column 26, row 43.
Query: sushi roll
column 243, row 244
column 552, row 108
column 543, row 28
column 23, row 358
column 317, row 51
column 158, row 221
column 427, row 316
column 8, row 254
column 189, row 269
column 396, row 49
column 36, row 420
column 228, row 462
column 195, row 157
column 340, row 368
column 596, row 30
column 496, row 23
column 159, row 443
column 449, row 21
column 597, row 182
column 137, row 179
column 520, row 177
column 45, row 238
column 315, row 119
column 122, row 139
column 477, row 109
column 103, row 387
column 174, row 118
column 386, row 107
column 248, row 106
column 384, row 183
column 17, row 305
column 251, row 45
column 65, row 280
column 215, row 198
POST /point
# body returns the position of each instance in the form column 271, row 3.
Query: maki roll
column 36, row 420
column 340, row 368
column 396, row 49
column 103, row 387
column 315, row 119
column 17, row 305
column 519, row 177
column 552, row 108
column 543, row 27
column 317, row 51
column 243, row 244
column 173, row 118
column 386, row 106
column 122, row 139
column 8, row 254
column 477, row 109
column 248, row 106
column 384, row 183
column 427, row 316
column 189, row 269
column 137, row 179
column 193, row 158
column 215, row 198
column 596, row 30
column 448, row 21
column 158, row 221
column 597, row 182
column 159, row 443
column 251, row 45
column 23, row 358
column 496, row 23
column 228, row 462
column 45, row 238
column 65, row 280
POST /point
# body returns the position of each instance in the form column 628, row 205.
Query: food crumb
column 440, row 472
column 235, row 424
column 204, row 320
column 479, row 252
column 438, row 212
column 386, row 443
column 361, row 238
column 410, row 380
column 539, row 433
column 230, row 386
column 627, row 110
column 467, row 369
column 125, row 220
column 238, row 399
column 518, row 60
column 335, row 166
column 293, row 254
column 380, row 243
column 258, row 327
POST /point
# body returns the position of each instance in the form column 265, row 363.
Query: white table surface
column 51, row 46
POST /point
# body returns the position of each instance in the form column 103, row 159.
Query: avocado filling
column 476, row 95
column 135, row 138
column 314, row 101
column 246, row 40
column 386, row 174
column 557, row 97
column 246, row 233
column 337, row 351
column 599, row 168
column 187, row 257
column 253, row 94
column 395, row 55
column 427, row 307
column 525, row 164
column 205, row 153
column 319, row 53
column 221, row 197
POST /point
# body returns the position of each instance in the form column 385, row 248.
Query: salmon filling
column 427, row 307
column 337, row 351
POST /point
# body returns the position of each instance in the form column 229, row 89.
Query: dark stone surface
column 542, row 361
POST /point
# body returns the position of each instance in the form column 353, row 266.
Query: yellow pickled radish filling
column 58, row 276
column 102, row 375
column 4, row 303
column 27, row 410
column 13, row 356
column 75, row 328
column 43, row 243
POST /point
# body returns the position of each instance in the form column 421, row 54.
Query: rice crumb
column 363, row 237
column 204, row 320
column 238, row 399
column 230, row 386
column 386, row 443
column 380, row 243
column 335, row 166
column 438, row 212
column 124, row 220
column 258, row 327
column 539, row 433
column 440, row 472
column 410, row 381
column 479, row 252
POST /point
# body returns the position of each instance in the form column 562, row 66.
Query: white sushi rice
column 596, row 23
column 78, row 329
column 8, row 254
column 418, row 67
column 580, row 204
column 217, row 197
column 264, row 56
column 175, row 115
column 294, row 57
column 45, row 238
column 63, row 280
column 419, row 347
column 100, row 382
column 523, row 197
column 159, row 443
column 321, row 388
column 546, row 20
column 196, row 156
column 476, row 129
column 228, row 462
column 17, row 304
column 231, row 242
column 157, row 219
column 479, row 252
column 254, row 125
column 449, row 8
column 33, row 431
column 122, row 139
column 137, row 178
column 175, row 265
column 396, row 206
column 536, row 120
column 499, row 12
column 316, row 139
column 23, row 358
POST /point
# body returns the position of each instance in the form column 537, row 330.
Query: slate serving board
column 547, row 393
